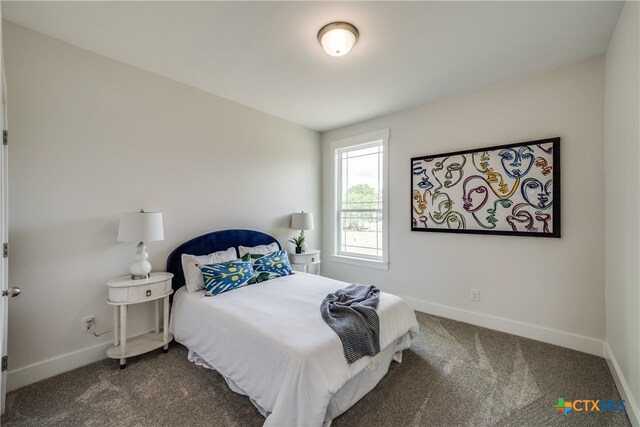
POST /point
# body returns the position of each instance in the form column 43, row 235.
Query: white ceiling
column 265, row 54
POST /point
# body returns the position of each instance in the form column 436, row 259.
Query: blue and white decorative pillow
column 219, row 278
column 257, row 278
column 275, row 264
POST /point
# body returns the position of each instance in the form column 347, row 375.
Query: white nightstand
column 303, row 262
column 123, row 292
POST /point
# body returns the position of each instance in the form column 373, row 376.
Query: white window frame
column 337, row 147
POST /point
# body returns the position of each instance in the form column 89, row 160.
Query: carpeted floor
column 455, row 374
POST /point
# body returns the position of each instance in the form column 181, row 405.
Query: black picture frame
column 526, row 222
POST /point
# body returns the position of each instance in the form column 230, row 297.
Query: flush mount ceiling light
column 337, row 38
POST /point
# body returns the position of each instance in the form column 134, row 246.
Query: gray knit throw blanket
column 351, row 313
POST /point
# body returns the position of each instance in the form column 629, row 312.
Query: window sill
column 360, row 262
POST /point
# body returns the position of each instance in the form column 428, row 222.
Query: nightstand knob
column 149, row 292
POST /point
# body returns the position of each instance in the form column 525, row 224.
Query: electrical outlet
column 475, row 295
column 89, row 324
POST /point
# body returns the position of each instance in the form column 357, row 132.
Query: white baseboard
column 527, row 330
column 30, row 374
column 623, row 386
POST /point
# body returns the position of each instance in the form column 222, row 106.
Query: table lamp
column 140, row 227
column 301, row 221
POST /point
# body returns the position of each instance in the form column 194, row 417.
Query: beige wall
column 549, row 289
column 91, row 138
column 622, row 221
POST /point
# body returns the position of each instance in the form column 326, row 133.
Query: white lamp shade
column 141, row 227
column 302, row 221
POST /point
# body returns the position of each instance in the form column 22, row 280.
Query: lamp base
column 140, row 268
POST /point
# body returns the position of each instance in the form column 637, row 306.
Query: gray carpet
column 455, row 374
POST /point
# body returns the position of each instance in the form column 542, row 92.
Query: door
column 3, row 216
column 4, row 232
column 4, row 282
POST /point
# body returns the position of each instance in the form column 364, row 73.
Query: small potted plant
column 298, row 241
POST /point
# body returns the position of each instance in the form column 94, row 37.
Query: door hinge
column 5, row 250
column 5, row 137
column 4, row 363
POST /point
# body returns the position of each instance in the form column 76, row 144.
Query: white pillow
column 258, row 250
column 193, row 275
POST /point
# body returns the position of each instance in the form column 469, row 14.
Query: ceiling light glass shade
column 338, row 38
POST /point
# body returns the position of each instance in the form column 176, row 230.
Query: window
column 360, row 188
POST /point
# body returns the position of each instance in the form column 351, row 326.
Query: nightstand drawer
column 305, row 257
column 133, row 294
column 152, row 291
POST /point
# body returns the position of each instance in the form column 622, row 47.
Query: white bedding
column 270, row 340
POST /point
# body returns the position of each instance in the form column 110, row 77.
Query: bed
column 270, row 343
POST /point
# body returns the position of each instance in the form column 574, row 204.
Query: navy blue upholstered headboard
column 213, row 242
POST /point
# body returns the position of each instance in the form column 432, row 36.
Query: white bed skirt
column 356, row 388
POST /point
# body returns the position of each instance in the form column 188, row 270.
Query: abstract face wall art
column 537, row 194
column 517, row 162
column 510, row 189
